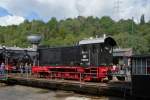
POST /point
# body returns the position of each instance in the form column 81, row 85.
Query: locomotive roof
column 106, row 40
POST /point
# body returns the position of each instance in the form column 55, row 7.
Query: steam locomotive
column 90, row 60
column 12, row 57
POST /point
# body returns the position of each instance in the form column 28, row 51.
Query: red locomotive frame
column 71, row 72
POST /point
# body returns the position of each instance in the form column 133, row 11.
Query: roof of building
column 123, row 52
column 141, row 56
column 122, row 49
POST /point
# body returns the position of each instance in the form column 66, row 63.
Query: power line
column 117, row 10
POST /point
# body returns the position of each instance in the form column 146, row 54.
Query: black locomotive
column 89, row 52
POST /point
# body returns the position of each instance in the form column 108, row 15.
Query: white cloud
column 11, row 20
column 135, row 8
column 45, row 9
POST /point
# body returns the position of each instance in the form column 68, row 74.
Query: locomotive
column 90, row 60
column 12, row 58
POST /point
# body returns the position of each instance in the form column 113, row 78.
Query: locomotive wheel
column 110, row 77
column 104, row 80
column 121, row 78
column 48, row 76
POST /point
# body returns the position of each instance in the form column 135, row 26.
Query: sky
column 16, row 11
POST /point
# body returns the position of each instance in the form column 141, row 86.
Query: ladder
column 93, row 72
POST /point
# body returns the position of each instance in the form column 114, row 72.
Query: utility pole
column 132, row 25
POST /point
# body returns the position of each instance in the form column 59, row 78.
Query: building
column 122, row 56
column 140, row 76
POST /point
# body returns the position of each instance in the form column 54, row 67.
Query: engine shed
column 140, row 76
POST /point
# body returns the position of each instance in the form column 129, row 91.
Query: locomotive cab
column 97, row 57
column 97, row 52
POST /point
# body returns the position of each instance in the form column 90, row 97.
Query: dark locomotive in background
column 13, row 57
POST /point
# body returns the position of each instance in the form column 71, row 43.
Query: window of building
column 133, row 66
column 143, row 66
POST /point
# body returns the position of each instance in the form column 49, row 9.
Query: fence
column 79, row 76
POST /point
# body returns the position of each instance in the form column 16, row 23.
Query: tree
column 106, row 24
column 70, row 31
column 142, row 19
column 52, row 24
column 137, row 43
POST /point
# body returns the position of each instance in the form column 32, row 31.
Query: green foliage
column 127, row 33
column 137, row 43
column 142, row 19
